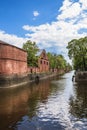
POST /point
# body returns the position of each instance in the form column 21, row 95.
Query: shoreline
column 9, row 81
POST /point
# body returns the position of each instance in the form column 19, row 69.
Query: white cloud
column 54, row 34
column 84, row 4
column 35, row 13
column 69, row 10
column 12, row 39
column 72, row 17
column 66, row 4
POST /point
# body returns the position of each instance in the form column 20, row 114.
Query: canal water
column 54, row 104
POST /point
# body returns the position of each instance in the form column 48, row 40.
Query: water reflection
column 55, row 104
column 79, row 105
column 15, row 103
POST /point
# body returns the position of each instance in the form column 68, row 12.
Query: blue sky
column 50, row 23
column 16, row 13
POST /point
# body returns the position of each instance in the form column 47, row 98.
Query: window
column 41, row 62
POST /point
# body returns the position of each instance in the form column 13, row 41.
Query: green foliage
column 57, row 61
column 77, row 51
column 32, row 50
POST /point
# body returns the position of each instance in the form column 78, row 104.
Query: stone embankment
column 18, row 80
column 81, row 76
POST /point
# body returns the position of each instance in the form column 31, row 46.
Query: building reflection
column 17, row 102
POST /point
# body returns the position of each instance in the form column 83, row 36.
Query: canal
column 54, row 104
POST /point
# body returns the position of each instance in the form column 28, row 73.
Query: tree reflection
column 78, row 106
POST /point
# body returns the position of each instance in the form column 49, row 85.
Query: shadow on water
column 55, row 104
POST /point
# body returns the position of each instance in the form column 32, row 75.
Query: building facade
column 13, row 60
column 43, row 62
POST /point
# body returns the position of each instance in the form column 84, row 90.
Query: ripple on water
column 60, row 109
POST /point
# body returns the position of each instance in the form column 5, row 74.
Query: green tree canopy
column 57, row 61
column 32, row 50
column 77, row 51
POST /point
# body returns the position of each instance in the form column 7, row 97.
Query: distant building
column 43, row 62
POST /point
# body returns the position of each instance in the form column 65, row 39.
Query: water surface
column 54, row 104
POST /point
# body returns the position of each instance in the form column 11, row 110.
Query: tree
column 61, row 62
column 77, row 51
column 56, row 61
column 32, row 50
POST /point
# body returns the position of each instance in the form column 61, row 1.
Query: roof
column 5, row 43
column 39, row 52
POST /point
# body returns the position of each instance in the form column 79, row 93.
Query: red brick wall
column 12, row 59
column 33, row 70
column 43, row 65
column 43, row 62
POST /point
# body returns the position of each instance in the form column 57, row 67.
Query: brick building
column 13, row 60
column 43, row 62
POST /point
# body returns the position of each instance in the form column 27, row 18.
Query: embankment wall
column 81, row 76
